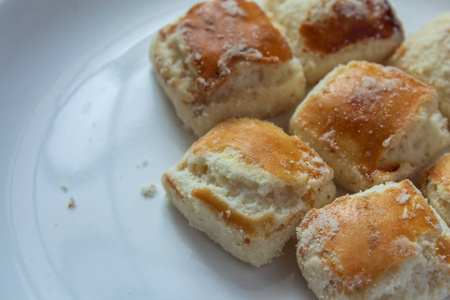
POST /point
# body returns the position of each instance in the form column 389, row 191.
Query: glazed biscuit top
column 220, row 33
column 364, row 237
column 348, row 23
column 440, row 172
column 266, row 146
column 361, row 110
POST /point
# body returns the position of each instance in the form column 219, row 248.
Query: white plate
column 79, row 106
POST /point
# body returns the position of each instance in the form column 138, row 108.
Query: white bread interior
column 243, row 207
column 425, row 55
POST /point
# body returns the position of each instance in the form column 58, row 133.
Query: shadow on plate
column 283, row 271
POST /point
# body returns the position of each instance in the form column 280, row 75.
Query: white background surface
column 79, row 106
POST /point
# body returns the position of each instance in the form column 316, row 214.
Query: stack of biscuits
column 374, row 119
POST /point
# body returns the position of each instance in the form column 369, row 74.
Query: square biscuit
column 371, row 124
column 435, row 186
column 425, row 55
column 225, row 59
column 384, row 243
column 247, row 185
column 326, row 33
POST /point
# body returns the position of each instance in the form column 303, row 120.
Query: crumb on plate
column 71, row 203
column 148, row 191
column 63, row 187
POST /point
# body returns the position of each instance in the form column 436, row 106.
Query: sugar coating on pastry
column 384, row 243
column 425, row 55
column 326, row 33
column 371, row 124
column 435, row 186
column 224, row 59
column 247, row 185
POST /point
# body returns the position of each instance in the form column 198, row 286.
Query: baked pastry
column 247, row 185
column 383, row 243
column 226, row 59
column 426, row 56
column 435, row 186
column 371, row 124
column 326, row 33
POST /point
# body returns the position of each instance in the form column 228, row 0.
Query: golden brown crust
column 374, row 232
column 220, row 33
column 359, row 112
column 348, row 25
column 263, row 144
column 440, row 172
column 442, row 246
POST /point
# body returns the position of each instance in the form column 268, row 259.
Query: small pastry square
column 225, row 59
column 383, row 243
column 247, row 185
column 435, row 186
column 326, row 33
column 371, row 124
column 426, row 56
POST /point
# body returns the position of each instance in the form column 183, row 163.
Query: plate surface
column 80, row 108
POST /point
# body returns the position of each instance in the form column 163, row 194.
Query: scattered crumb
column 64, row 188
column 148, row 191
column 71, row 203
column 143, row 164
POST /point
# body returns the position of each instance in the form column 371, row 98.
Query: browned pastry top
column 350, row 24
column 220, row 33
column 372, row 233
column 440, row 172
column 361, row 110
column 265, row 145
